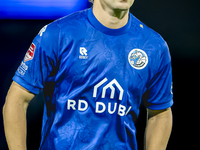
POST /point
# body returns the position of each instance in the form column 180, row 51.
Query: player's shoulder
column 144, row 30
column 48, row 33
column 150, row 36
column 53, row 30
column 73, row 20
column 70, row 20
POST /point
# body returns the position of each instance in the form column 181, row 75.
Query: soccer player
column 94, row 67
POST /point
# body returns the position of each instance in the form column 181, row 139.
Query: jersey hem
column 26, row 85
column 161, row 106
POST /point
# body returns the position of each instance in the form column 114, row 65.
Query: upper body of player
column 94, row 66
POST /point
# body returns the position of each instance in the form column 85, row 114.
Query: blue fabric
column 94, row 79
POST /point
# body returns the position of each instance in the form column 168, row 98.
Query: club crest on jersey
column 30, row 53
column 138, row 59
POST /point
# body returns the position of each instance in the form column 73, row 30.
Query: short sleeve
column 159, row 93
column 40, row 61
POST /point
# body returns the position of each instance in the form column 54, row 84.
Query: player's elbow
column 5, row 106
column 3, row 110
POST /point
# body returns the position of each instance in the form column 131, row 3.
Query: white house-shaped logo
column 109, row 85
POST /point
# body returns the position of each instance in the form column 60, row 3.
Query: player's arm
column 14, row 115
column 158, row 129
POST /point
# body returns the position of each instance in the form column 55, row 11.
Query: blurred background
column 178, row 21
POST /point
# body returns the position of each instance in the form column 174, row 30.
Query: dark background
column 178, row 21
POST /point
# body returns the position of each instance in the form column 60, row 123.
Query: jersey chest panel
column 89, row 60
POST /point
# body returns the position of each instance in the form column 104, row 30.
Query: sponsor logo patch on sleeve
column 30, row 53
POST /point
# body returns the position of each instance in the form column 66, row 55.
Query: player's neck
column 113, row 19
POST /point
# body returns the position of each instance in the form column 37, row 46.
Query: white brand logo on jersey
column 138, row 59
column 83, row 52
column 109, row 85
column 42, row 30
column 22, row 68
column 101, row 107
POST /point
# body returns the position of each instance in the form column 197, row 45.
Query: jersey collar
column 96, row 24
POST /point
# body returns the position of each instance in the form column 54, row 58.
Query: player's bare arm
column 14, row 115
column 158, row 129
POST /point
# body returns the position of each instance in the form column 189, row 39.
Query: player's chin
column 123, row 6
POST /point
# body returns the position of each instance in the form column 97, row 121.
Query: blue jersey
column 93, row 79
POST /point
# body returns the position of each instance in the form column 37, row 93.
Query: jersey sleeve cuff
column 161, row 106
column 26, row 85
